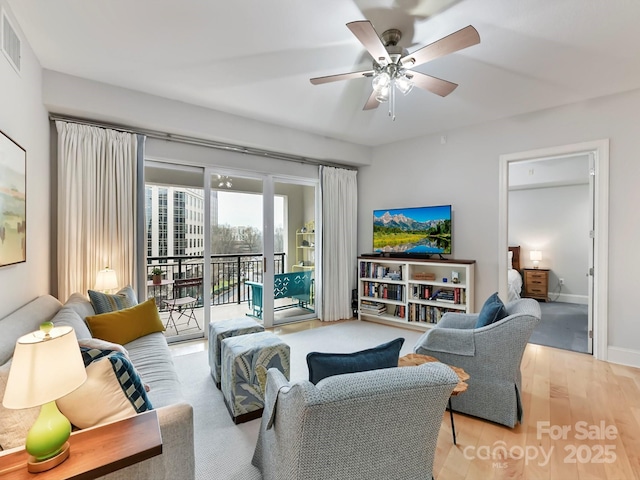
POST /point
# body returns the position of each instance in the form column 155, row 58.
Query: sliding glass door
column 174, row 247
column 237, row 243
column 262, row 247
column 236, row 224
column 295, row 235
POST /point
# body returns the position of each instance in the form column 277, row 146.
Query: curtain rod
column 171, row 137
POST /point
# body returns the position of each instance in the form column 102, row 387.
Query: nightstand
column 536, row 283
column 96, row 451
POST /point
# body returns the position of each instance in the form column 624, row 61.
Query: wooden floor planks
column 561, row 388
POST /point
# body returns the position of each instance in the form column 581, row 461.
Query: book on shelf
column 426, row 313
column 372, row 308
column 372, row 304
column 376, row 270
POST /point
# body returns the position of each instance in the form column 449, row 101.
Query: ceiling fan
column 392, row 65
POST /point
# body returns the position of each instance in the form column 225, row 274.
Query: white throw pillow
column 113, row 391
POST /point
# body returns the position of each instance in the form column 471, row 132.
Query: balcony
column 183, row 276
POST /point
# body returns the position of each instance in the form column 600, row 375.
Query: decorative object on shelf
column 535, row 256
column 305, row 247
column 106, row 280
column 455, row 277
column 46, row 366
column 156, row 276
column 13, row 198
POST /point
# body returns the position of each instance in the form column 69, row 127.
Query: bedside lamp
column 106, row 280
column 46, row 366
column 535, row 256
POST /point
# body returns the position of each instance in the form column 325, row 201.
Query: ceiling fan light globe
column 381, row 81
column 404, row 84
column 383, row 95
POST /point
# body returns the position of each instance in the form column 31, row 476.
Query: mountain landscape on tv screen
column 404, row 223
column 400, row 233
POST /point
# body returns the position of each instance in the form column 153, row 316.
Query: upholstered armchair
column 374, row 424
column 491, row 355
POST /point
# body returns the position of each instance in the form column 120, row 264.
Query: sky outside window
column 245, row 210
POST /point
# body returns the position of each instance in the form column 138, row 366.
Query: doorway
column 597, row 270
column 549, row 219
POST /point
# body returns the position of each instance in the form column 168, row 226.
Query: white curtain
column 339, row 189
column 96, row 206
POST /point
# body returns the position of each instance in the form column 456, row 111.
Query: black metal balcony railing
column 228, row 274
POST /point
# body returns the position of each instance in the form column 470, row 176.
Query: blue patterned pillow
column 322, row 365
column 105, row 302
column 113, row 391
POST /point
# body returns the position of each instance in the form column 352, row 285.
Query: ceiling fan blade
column 364, row 31
column 341, row 76
column 463, row 38
column 432, row 84
column 371, row 102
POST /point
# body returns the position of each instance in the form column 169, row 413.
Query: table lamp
column 46, row 366
column 536, row 256
column 106, row 280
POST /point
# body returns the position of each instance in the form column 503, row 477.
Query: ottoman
column 218, row 331
column 245, row 361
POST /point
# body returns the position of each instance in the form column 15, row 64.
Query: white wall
column 24, row 119
column 69, row 95
column 464, row 172
column 555, row 221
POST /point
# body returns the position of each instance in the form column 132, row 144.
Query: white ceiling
column 254, row 58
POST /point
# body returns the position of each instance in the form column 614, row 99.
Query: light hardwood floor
column 562, row 389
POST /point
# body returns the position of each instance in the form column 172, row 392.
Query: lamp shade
column 46, row 365
column 106, row 280
column 535, row 255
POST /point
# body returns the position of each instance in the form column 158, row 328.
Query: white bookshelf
column 413, row 293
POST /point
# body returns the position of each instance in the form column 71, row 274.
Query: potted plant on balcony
column 156, row 276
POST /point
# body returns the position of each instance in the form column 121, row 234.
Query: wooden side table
column 415, row 359
column 536, row 283
column 95, row 451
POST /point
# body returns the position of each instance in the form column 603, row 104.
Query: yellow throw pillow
column 124, row 326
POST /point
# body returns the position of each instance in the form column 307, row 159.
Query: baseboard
column 569, row 298
column 624, row 356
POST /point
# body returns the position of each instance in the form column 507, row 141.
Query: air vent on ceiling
column 11, row 43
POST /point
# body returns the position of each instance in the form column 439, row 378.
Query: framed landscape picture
column 13, row 202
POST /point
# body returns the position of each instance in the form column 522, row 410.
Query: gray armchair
column 375, row 424
column 491, row 355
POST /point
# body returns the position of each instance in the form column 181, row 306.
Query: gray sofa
column 152, row 359
column 367, row 425
column 491, row 355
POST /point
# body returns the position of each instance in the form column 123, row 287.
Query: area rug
column 223, row 450
column 563, row 325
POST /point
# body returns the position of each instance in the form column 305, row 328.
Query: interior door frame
column 599, row 297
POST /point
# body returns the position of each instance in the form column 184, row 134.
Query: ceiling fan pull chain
column 392, row 103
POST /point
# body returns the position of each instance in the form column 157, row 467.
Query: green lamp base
column 47, row 439
column 35, row 466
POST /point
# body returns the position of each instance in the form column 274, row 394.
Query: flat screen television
column 413, row 231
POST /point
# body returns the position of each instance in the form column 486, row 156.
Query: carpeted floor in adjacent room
column 563, row 325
